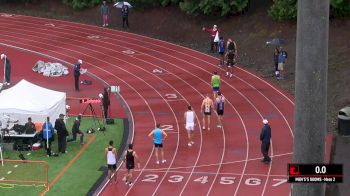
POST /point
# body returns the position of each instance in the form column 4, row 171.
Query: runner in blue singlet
column 220, row 103
column 158, row 141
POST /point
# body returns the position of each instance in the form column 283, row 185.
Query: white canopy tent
column 29, row 100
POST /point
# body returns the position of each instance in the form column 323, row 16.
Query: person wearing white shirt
column 189, row 117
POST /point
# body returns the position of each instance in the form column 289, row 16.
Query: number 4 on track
column 202, row 180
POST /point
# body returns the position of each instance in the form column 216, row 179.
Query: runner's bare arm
column 150, row 134
column 202, row 106
column 166, row 135
column 137, row 160
column 115, row 153
column 124, row 156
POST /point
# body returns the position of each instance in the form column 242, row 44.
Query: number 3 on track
column 175, row 178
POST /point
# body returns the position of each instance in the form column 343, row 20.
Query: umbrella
column 276, row 42
column 120, row 4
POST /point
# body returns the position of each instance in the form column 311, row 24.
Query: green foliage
column 81, row 4
column 208, row 7
column 340, row 8
column 283, row 9
column 15, row 1
column 287, row 9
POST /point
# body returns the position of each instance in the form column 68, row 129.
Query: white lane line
column 103, row 70
column 163, row 99
column 220, row 173
column 215, row 164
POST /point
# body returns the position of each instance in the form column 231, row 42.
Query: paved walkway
column 341, row 155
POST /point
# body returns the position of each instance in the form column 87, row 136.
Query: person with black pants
column 76, row 130
column 125, row 16
column 105, row 102
column 62, row 134
column 48, row 136
column 265, row 138
column 77, row 74
column 7, row 69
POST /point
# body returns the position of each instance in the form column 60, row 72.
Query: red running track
column 158, row 80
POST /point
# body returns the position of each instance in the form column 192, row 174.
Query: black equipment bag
column 20, row 129
column 109, row 121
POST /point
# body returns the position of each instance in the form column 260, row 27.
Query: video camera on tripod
column 89, row 106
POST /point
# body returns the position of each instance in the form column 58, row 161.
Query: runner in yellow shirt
column 207, row 107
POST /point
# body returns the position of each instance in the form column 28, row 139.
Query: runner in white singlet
column 189, row 117
column 111, row 154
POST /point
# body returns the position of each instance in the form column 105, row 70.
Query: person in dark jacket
column 105, row 102
column 265, row 138
column 7, row 69
column 76, row 130
column 77, row 67
column 62, row 134
column 275, row 60
column 125, row 16
column 29, row 126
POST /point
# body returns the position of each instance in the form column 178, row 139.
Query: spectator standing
column 48, row 135
column 105, row 102
column 212, row 33
column 62, row 134
column 125, row 16
column 7, row 69
column 282, row 57
column 105, row 13
column 77, row 68
column 275, row 60
column 221, row 51
column 265, row 138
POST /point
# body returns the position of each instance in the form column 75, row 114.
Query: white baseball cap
column 215, row 26
column 2, row 56
column 80, row 61
column 265, row 121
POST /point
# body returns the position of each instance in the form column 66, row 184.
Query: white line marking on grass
column 9, row 172
column 28, row 153
column 3, row 178
column 15, row 166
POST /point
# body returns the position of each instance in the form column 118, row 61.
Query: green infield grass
column 73, row 173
